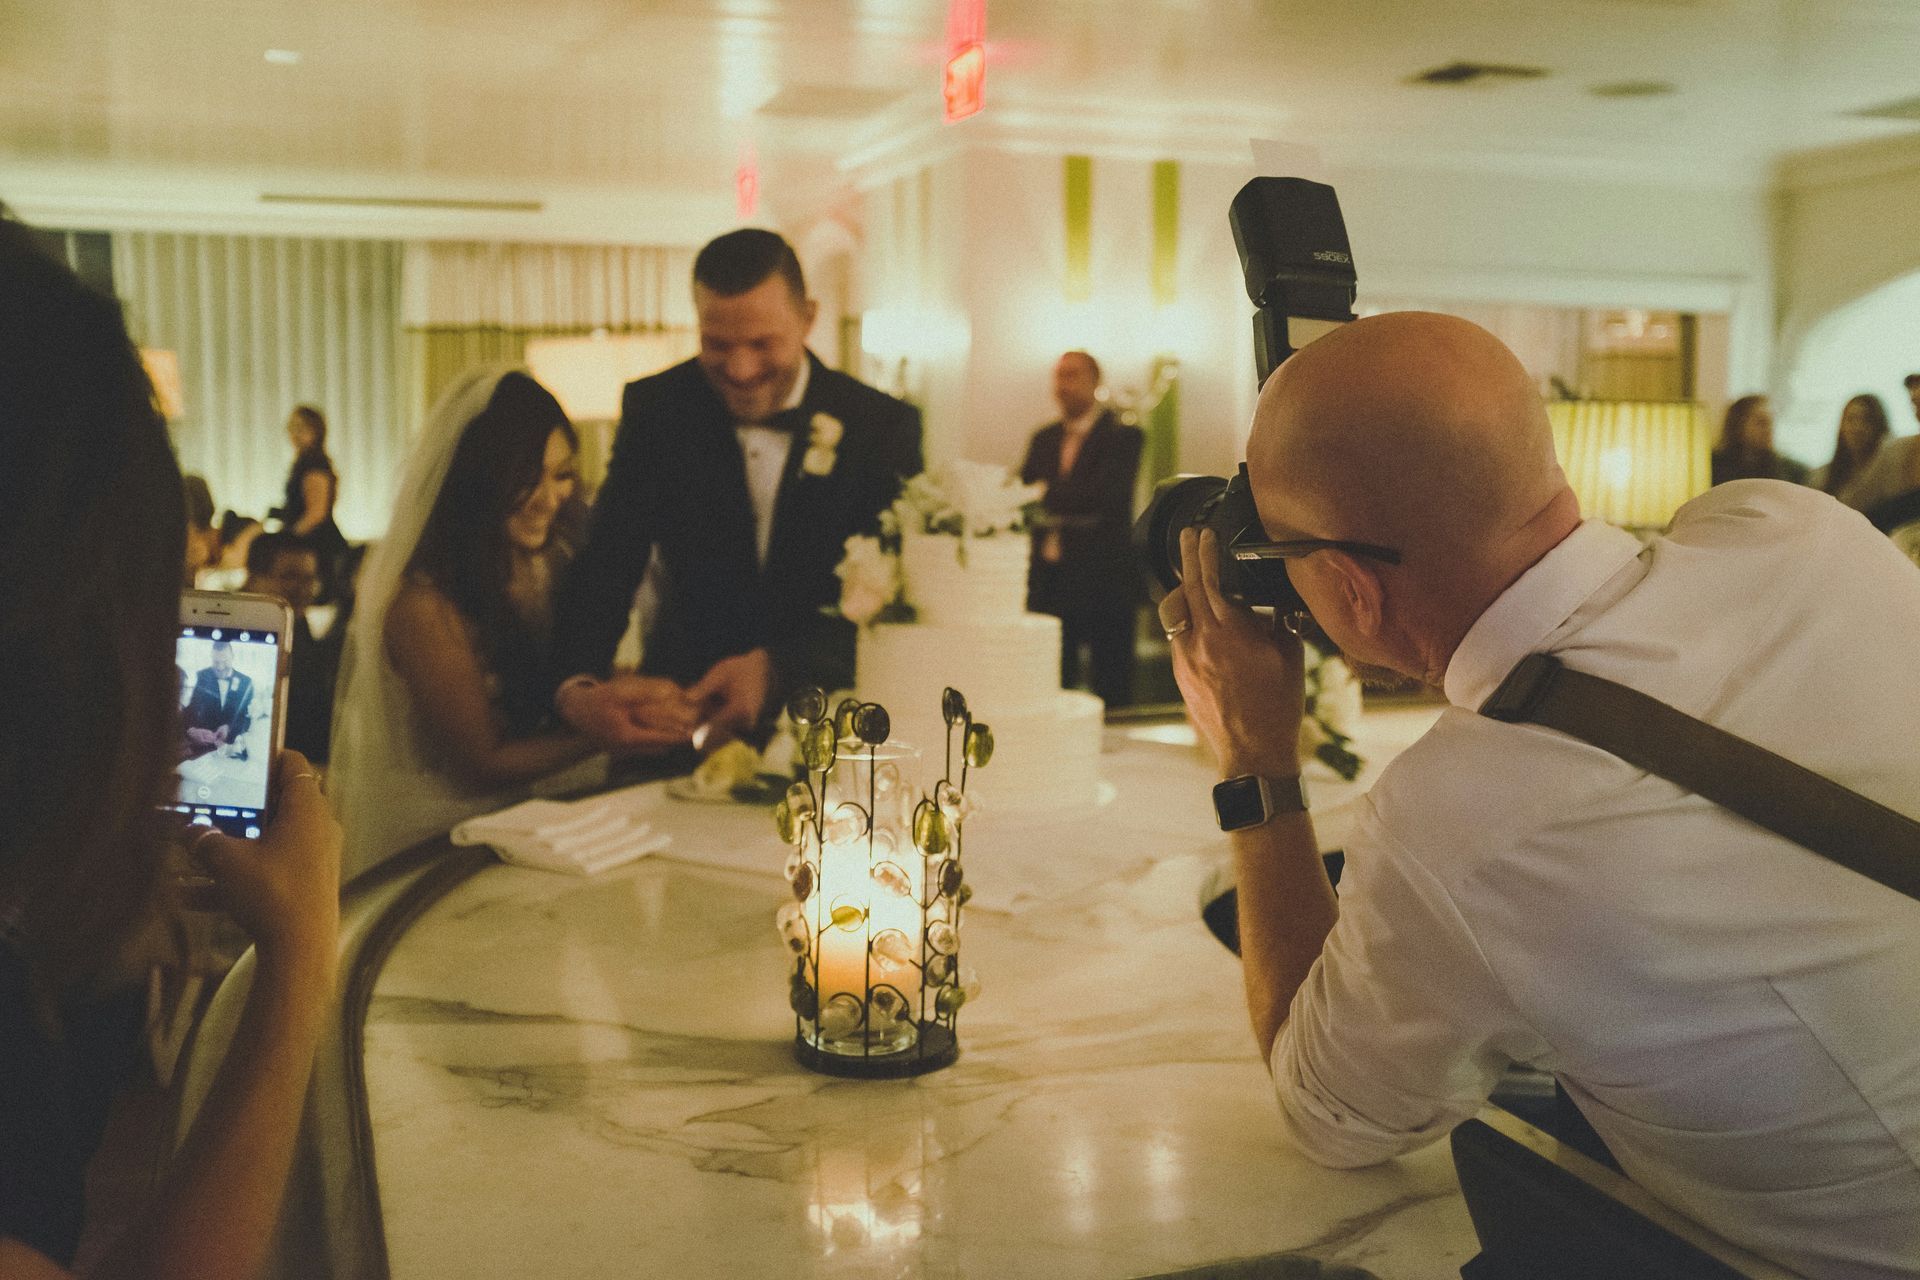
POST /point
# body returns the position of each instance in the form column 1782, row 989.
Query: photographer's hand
column 1244, row 681
column 1245, row 687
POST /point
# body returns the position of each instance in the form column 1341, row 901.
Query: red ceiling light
column 965, row 83
column 746, row 183
column 963, row 89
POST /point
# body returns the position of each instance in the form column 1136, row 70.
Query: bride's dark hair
column 464, row 550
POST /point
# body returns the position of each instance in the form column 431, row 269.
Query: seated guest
column 445, row 690
column 1728, row 1009
column 92, row 531
column 745, row 469
column 1893, row 473
column 229, row 568
column 279, row 564
column 203, row 540
column 1745, row 449
column 1863, row 426
column 1083, row 564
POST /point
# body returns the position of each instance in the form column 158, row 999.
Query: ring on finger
column 1179, row 628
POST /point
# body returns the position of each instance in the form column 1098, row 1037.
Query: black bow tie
column 791, row 421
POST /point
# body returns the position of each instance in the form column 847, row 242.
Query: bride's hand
column 644, row 715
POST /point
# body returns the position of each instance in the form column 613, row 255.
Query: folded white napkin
column 579, row 837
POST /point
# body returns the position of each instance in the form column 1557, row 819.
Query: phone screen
column 228, row 680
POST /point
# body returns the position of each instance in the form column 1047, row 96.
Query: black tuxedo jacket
column 1092, row 507
column 205, row 710
column 678, row 482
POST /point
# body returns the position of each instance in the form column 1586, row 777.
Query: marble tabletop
column 594, row 1077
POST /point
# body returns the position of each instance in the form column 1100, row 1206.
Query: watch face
column 1238, row 804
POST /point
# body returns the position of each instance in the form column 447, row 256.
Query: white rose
column 869, row 579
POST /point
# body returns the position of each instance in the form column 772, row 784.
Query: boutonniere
column 823, row 441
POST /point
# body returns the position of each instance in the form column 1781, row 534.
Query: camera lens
column 1179, row 502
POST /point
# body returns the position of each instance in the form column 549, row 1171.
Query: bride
column 445, row 705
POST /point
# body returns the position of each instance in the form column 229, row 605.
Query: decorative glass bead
column 940, row 936
column 930, row 832
column 848, row 915
column 952, row 801
column 948, row 1002
column 969, row 983
column 951, row 877
column 939, row 967
column 886, row 779
column 793, row 927
column 803, row 999
column 842, row 1016
column 848, row 823
column 893, row 947
column 890, row 876
column 785, row 823
column 953, row 706
column 872, row 724
column 807, row 705
column 800, row 801
column 794, row 863
column 965, row 895
column 803, row 882
column 817, row 749
column 979, row 745
column 884, row 1008
column 843, row 715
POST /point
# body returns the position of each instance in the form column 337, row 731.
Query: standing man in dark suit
column 220, row 710
column 747, row 468
column 1083, row 566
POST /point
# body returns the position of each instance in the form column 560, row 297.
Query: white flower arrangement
column 963, row 500
column 869, row 579
column 1332, row 714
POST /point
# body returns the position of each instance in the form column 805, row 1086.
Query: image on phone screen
column 227, row 683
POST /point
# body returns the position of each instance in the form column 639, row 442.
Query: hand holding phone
column 283, row 888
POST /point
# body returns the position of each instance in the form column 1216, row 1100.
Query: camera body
column 1299, row 275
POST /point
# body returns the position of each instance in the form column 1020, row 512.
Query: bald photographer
column 1715, row 998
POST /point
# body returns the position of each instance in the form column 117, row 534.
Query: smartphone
column 232, row 653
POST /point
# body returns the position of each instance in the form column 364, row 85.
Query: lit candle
column 866, row 911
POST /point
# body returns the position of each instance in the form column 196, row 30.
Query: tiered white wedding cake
column 971, row 631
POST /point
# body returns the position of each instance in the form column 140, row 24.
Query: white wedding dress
column 389, row 784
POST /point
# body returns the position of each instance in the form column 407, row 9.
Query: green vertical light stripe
column 1079, row 218
column 1166, row 232
column 1162, row 429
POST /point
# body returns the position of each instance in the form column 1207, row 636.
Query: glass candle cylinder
column 865, row 916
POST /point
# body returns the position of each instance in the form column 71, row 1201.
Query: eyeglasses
column 1245, row 548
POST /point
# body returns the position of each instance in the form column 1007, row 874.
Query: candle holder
column 874, row 927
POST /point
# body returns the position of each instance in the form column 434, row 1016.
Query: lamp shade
column 587, row 373
column 1632, row 462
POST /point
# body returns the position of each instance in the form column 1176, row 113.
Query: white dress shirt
column 765, row 450
column 1738, row 1017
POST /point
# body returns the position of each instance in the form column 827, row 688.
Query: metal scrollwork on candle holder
column 878, row 887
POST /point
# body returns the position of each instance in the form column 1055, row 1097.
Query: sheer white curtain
column 463, row 284
column 263, row 323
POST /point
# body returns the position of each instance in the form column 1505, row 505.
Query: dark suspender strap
column 1766, row 789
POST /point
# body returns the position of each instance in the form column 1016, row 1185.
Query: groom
column 746, row 469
